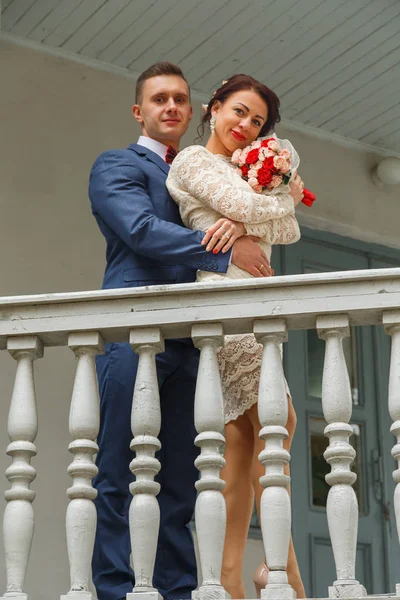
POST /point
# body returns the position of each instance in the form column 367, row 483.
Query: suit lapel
column 151, row 156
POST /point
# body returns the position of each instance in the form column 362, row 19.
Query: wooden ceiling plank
column 380, row 102
column 34, row 16
column 13, row 12
column 325, row 24
column 376, row 104
column 341, row 96
column 117, row 26
column 231, row 50
column 289, row 28
column 4, row 4
column 344, row 39
column 359, row 88
column 70, row 24
column 384, row 126
column 94, row 25
column 390, row 141
column 154, row 31
column 144, row 21
column 178, row 34
column 333, row 75
column 223, row 40
column 189, row 55
column 183, row 47
column 53, row 20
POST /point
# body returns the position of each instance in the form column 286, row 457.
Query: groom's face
column 164, row 110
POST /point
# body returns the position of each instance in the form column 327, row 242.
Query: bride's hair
column 239, row 82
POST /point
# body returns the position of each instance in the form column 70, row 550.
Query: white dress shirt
column 153, row 145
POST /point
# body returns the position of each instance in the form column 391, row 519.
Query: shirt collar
column 153, row 145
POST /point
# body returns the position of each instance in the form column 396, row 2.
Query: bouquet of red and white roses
column 269, row 163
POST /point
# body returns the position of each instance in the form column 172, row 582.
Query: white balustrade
column 342, row 505
column 18, row 523
column 275, row 499
column 84, row 419
column 268, row 307
column 392, row 325
column 210, row 510
column 144, row 512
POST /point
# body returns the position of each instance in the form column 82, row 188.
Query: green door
column 304, row 355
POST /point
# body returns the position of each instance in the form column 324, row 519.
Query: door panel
column 323, row 565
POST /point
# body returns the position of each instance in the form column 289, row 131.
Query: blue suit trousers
column 175, row 573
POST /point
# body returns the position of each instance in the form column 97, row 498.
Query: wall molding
column 93, row 63
column 349, row 231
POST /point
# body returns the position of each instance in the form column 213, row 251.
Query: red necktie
column 170, row 154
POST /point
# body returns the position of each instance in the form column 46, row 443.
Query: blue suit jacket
column 146, row 244
column 146, row 241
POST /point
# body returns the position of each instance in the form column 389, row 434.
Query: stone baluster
column 275, row 500
column 210, row 510
column 84, row 418
column 144, row 512
column 391, row 321
column 342, row 505
column 18, row 523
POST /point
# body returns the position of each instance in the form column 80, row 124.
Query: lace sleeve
column 276, row 231
column 196, row 172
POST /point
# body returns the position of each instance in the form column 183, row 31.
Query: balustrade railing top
column 299, row 299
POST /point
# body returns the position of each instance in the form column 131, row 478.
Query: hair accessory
column 204, row 108
column 222, row 83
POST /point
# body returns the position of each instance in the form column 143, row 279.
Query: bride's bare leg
column 239, row 497
column 293, row 570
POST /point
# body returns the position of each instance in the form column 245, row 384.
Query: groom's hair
column 160, row 68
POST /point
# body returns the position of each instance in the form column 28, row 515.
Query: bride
column 212, row 196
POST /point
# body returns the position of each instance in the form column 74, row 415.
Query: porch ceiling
column 334, row 63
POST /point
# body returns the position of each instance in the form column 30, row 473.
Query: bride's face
column 239, row 120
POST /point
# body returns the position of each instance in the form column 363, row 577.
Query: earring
column 213, row 120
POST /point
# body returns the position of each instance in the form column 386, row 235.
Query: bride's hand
column 222, row 235
column 296, row 189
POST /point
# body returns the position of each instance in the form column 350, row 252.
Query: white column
column 18, row 523
column 144, row 512
column 275, row 500
column 342, row 505
column 391, row 321
column 210, row 510
column 84, row 418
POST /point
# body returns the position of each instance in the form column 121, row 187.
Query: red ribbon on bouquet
column 308, row 197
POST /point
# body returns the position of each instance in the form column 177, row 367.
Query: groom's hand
column 250, row 257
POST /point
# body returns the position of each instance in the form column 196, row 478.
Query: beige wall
column 56, row 117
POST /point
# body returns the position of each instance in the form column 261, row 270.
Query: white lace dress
column 207, row 186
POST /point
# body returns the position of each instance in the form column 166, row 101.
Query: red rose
column 269, row 163
column 308, row 197
column 264, row 143
column 252, row 157
column 264, row 176
column 245, row 170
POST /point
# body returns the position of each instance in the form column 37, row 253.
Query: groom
column 147, row 244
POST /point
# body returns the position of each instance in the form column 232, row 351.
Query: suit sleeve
column 118, row 194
